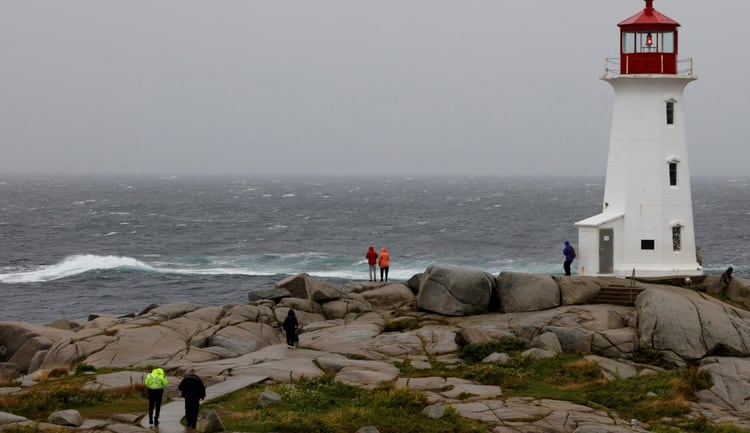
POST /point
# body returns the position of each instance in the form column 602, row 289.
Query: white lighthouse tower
column 646, row 224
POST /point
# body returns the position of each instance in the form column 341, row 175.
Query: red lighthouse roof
column 648, row 43
column 649, row 17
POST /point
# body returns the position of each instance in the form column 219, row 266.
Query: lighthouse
column 646, row 224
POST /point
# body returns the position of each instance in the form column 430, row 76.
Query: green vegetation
column 323, row 405
column 570, row 377
column 401, row 324
column 58, row 390
column 700, row 425
column 476, row 352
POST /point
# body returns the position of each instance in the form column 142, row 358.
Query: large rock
column 389, row 296
column 298, row 285
column 527, row 292
column 729, row 377
column 9, row 418
column 209, row 422
column 69, row 417
column 577, row 290
column 20, row 342
column 323, row 291
column 615, row 343
column 340, row 308
column 455, row 291
column 274, row 295
column 573, row 340
column 691, row 325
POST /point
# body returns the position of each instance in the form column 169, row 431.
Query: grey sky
column 407, row 87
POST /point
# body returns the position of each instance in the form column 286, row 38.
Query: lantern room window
column 647, row 42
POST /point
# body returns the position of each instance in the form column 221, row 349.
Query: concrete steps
column 618, row 295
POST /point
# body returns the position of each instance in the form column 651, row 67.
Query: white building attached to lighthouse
column 646, row 224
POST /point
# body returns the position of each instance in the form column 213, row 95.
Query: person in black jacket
column 291, row 326
column 193, row 391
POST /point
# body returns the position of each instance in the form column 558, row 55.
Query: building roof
column 598, row 220
column 649, row 16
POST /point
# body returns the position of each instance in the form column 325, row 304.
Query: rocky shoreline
column 361, row 331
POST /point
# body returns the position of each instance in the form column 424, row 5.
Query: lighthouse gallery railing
column 612, row 67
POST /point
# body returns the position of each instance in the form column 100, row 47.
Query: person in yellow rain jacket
column 384, row 260
column 155, row 383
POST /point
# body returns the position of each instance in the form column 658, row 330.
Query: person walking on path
column 372, row 260
column 384, row 261
column 155, row 383
column 291, row 329
column 193, row 391
column 570, row 254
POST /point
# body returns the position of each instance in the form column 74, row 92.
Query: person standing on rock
column 570, row 254
column 384, row 261
column 291, row 329
column 193, row 391
column 726, row 280
column 372, row 260
column 155, row 383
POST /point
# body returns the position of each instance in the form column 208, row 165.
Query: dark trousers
column 154, row 404
column 291, row 337
column 191, row 411
column 384, row 271
column 566, row 266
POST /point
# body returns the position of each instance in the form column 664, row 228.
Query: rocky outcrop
column 455, row 291
column 21, row 343
column 348, row 335
column 527, row 292
column 392, row 295
column 685, row 325
column 297, row 285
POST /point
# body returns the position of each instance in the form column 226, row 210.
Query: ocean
column 73, row 246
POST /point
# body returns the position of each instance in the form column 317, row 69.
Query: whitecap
column 73, row 265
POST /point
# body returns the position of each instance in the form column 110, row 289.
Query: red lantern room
column 648, row 43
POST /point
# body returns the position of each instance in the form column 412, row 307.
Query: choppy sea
column 71, row 246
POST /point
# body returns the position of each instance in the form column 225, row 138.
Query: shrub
column 476, row 352
column 401, row 324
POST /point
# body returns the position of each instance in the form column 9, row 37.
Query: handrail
column 612, row 67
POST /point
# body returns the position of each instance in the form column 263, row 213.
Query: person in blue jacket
column 570, row 254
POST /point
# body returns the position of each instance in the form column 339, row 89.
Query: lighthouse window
column 647, row 244
column 676, row 238
column 647, row 42
column 670, row 113
column 672, row 174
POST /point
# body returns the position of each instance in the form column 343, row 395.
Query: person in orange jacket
column 372, row 260
column 384, row 261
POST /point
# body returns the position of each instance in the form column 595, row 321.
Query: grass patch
column 61, row 390
column 401, row 324
column 322, row 405
column 699, row 425
column 571, row 378
column 37, row 405
column 476, row 352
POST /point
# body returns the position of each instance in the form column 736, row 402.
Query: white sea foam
column 71, row 266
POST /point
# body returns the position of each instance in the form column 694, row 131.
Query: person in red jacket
column 372, row 260
column 384, row 260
